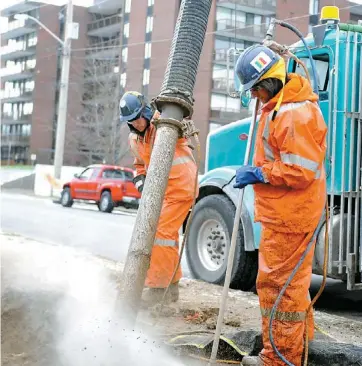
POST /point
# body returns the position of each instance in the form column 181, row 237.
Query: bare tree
column 99, row 134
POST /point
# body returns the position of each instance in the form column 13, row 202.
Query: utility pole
column 63, row 95
column 175, row 102
column 115, row 124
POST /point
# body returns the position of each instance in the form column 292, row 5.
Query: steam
column 59, row 307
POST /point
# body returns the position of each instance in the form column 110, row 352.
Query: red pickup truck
column 108, row 186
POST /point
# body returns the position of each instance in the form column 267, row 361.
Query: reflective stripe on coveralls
column 176, row 205
column 290, row 150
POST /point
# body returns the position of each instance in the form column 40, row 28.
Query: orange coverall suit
column 290, row 150
column 176, row 205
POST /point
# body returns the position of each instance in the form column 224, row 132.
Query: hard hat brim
column 247, row 86
column 131, row 116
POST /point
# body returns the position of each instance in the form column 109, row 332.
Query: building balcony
column 17, row 72
column 261, row 7
column 252, row 33
column 105, row 27
column 25, row 119
column 15, row 52
column 220, row 56
column 13, row 96
column 20, row 6
column 19, row 28
column 227, row 115
column 105, row 7
column 222, row 84
column 104, row 50
column 15, row 140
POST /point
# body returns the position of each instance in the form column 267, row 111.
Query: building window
column 149, row 24
column 123, row 79
column 28, row 108
column 32, row 40
column 29, row 85
column 127, row 8
column 126, row 30
column 146, row 77
column 249, row 19
column 125, row 54
column 224, row 103
column 30, row 64
column 213, row 126
column 151, row 2
column 148, row 49
column 26, row 130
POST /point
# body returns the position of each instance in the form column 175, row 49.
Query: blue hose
column 281, row 293
column 300, row 35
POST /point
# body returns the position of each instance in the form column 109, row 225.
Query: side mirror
column 245, row 98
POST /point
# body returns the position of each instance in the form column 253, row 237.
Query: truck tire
column 66, row 198
column 106, row 203
column 208, row 240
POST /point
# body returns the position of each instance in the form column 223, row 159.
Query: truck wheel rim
column 212, row 244
column 65, row 197
column 104, row 202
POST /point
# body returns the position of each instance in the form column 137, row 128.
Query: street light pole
column 26, row 16
column 64, row 83
column 63, row 94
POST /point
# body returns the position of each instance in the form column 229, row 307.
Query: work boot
column 252, row 360
column 153, row 295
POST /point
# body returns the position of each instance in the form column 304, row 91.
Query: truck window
column 128, row 176
column 107, row 173
column 86, row 174
column 322, row 66
column 117, row 174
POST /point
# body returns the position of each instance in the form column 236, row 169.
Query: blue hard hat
column 134, row 105
column 253, row 63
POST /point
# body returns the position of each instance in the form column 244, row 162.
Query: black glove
column 139, row 181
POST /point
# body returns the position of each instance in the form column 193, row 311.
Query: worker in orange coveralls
column 290, row 193
column 179, row 195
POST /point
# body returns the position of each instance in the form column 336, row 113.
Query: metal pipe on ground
column 175, row 102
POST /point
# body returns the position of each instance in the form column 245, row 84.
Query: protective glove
column 139, row 182
column 248, row 174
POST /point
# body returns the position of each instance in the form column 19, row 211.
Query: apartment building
column 150, row 36
column 28, row 82
column 123, row 46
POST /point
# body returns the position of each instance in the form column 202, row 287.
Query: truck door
column 81, row 185
column 92, row 185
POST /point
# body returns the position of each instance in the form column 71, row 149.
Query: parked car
column 108, row 186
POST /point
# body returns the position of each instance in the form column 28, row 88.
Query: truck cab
column 337, row 52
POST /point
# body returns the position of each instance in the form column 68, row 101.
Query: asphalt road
column 108, row 235
column 81, row 226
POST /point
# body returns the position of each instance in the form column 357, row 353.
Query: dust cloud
column 59, row 307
